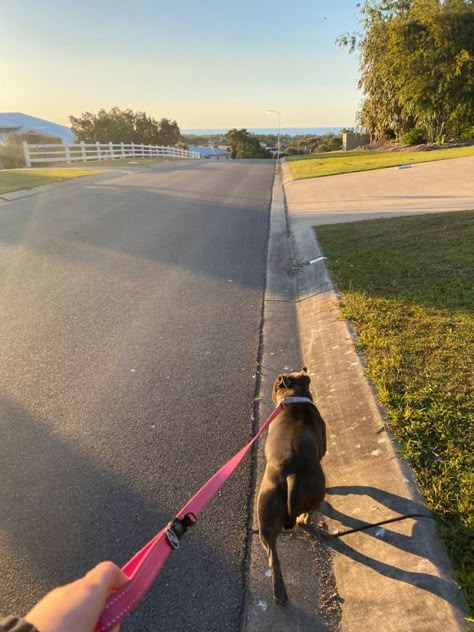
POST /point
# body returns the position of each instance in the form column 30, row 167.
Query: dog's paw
column 304, row 519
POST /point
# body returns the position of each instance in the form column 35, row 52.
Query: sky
column 203, row 63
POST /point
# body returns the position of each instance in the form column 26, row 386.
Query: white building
column 211, row 153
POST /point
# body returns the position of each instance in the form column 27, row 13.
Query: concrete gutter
column 306, row 564
column 392, row 577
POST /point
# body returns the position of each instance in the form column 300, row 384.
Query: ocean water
column 291, row 131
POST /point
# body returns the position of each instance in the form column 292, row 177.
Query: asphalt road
column 129, row 330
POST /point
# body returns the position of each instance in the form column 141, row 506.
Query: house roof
column 19, row 122
column 208, row 151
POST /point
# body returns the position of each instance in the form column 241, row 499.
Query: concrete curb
column 306, row 565
column 394, row 577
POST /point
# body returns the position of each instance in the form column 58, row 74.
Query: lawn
column 407, row 287
column 17, row 179
column 117, row 162
column 337, row 162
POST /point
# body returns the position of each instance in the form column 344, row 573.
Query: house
column 211, row 153
column 17, row 122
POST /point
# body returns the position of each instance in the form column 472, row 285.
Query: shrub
column 330, row 142
column 335, row 143
column 415, row 136
column 322, row 147
column 11, row 152
column 468, row 133
column 293, row 151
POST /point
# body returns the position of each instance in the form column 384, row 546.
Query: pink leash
column 145, row 565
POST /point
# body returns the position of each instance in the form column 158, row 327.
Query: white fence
column 82, row 152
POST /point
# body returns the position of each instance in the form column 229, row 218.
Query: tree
column 416, row 66
column 314, row 143
column 244, row 145
column 124, row 126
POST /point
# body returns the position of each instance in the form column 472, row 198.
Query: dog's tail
column 291, row 499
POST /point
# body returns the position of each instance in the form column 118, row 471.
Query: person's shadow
column 423, row 541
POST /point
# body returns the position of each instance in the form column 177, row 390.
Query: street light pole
column 279, row 128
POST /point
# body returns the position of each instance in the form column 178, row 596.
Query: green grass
column 337, row 162
column 408, row 287
column 112, row 163
column 17, row 179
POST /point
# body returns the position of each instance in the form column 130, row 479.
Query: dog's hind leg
column 311, row 497
column 268, row 538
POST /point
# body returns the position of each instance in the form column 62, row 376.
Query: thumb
column 106, row 576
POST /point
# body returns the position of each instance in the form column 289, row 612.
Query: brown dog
column 293, row 484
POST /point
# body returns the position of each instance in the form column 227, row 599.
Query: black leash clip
column 177, row 528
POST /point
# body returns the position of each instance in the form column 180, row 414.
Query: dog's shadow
column 422, row 542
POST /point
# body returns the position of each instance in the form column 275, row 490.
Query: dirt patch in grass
column 18, row 179
column 408, row 287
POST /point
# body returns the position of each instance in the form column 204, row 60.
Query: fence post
column 83, row 151
column 26, row 151
column 122, row 150
column 133, row 150
column 143, row 150
column 98, row 151
column 67, row 154
column 111, row 148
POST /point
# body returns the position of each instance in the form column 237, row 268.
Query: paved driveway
column 445, row 185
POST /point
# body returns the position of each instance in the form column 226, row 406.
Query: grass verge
column 337, row 162
column 118, row 162
column 407, row 286
column 18, row 179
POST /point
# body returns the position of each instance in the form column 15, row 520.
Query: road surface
column 129, row 329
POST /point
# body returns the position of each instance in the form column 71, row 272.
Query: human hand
column 76, row 607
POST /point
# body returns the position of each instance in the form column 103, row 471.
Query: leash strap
column 145, row 565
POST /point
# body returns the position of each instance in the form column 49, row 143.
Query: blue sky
column 205, row 63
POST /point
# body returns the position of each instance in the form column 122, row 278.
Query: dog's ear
column 283, row 381
column 305, row 380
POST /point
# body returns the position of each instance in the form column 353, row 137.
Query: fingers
column 76, row 607
column 107, row 576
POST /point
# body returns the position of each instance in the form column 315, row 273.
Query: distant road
column 129, row 328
